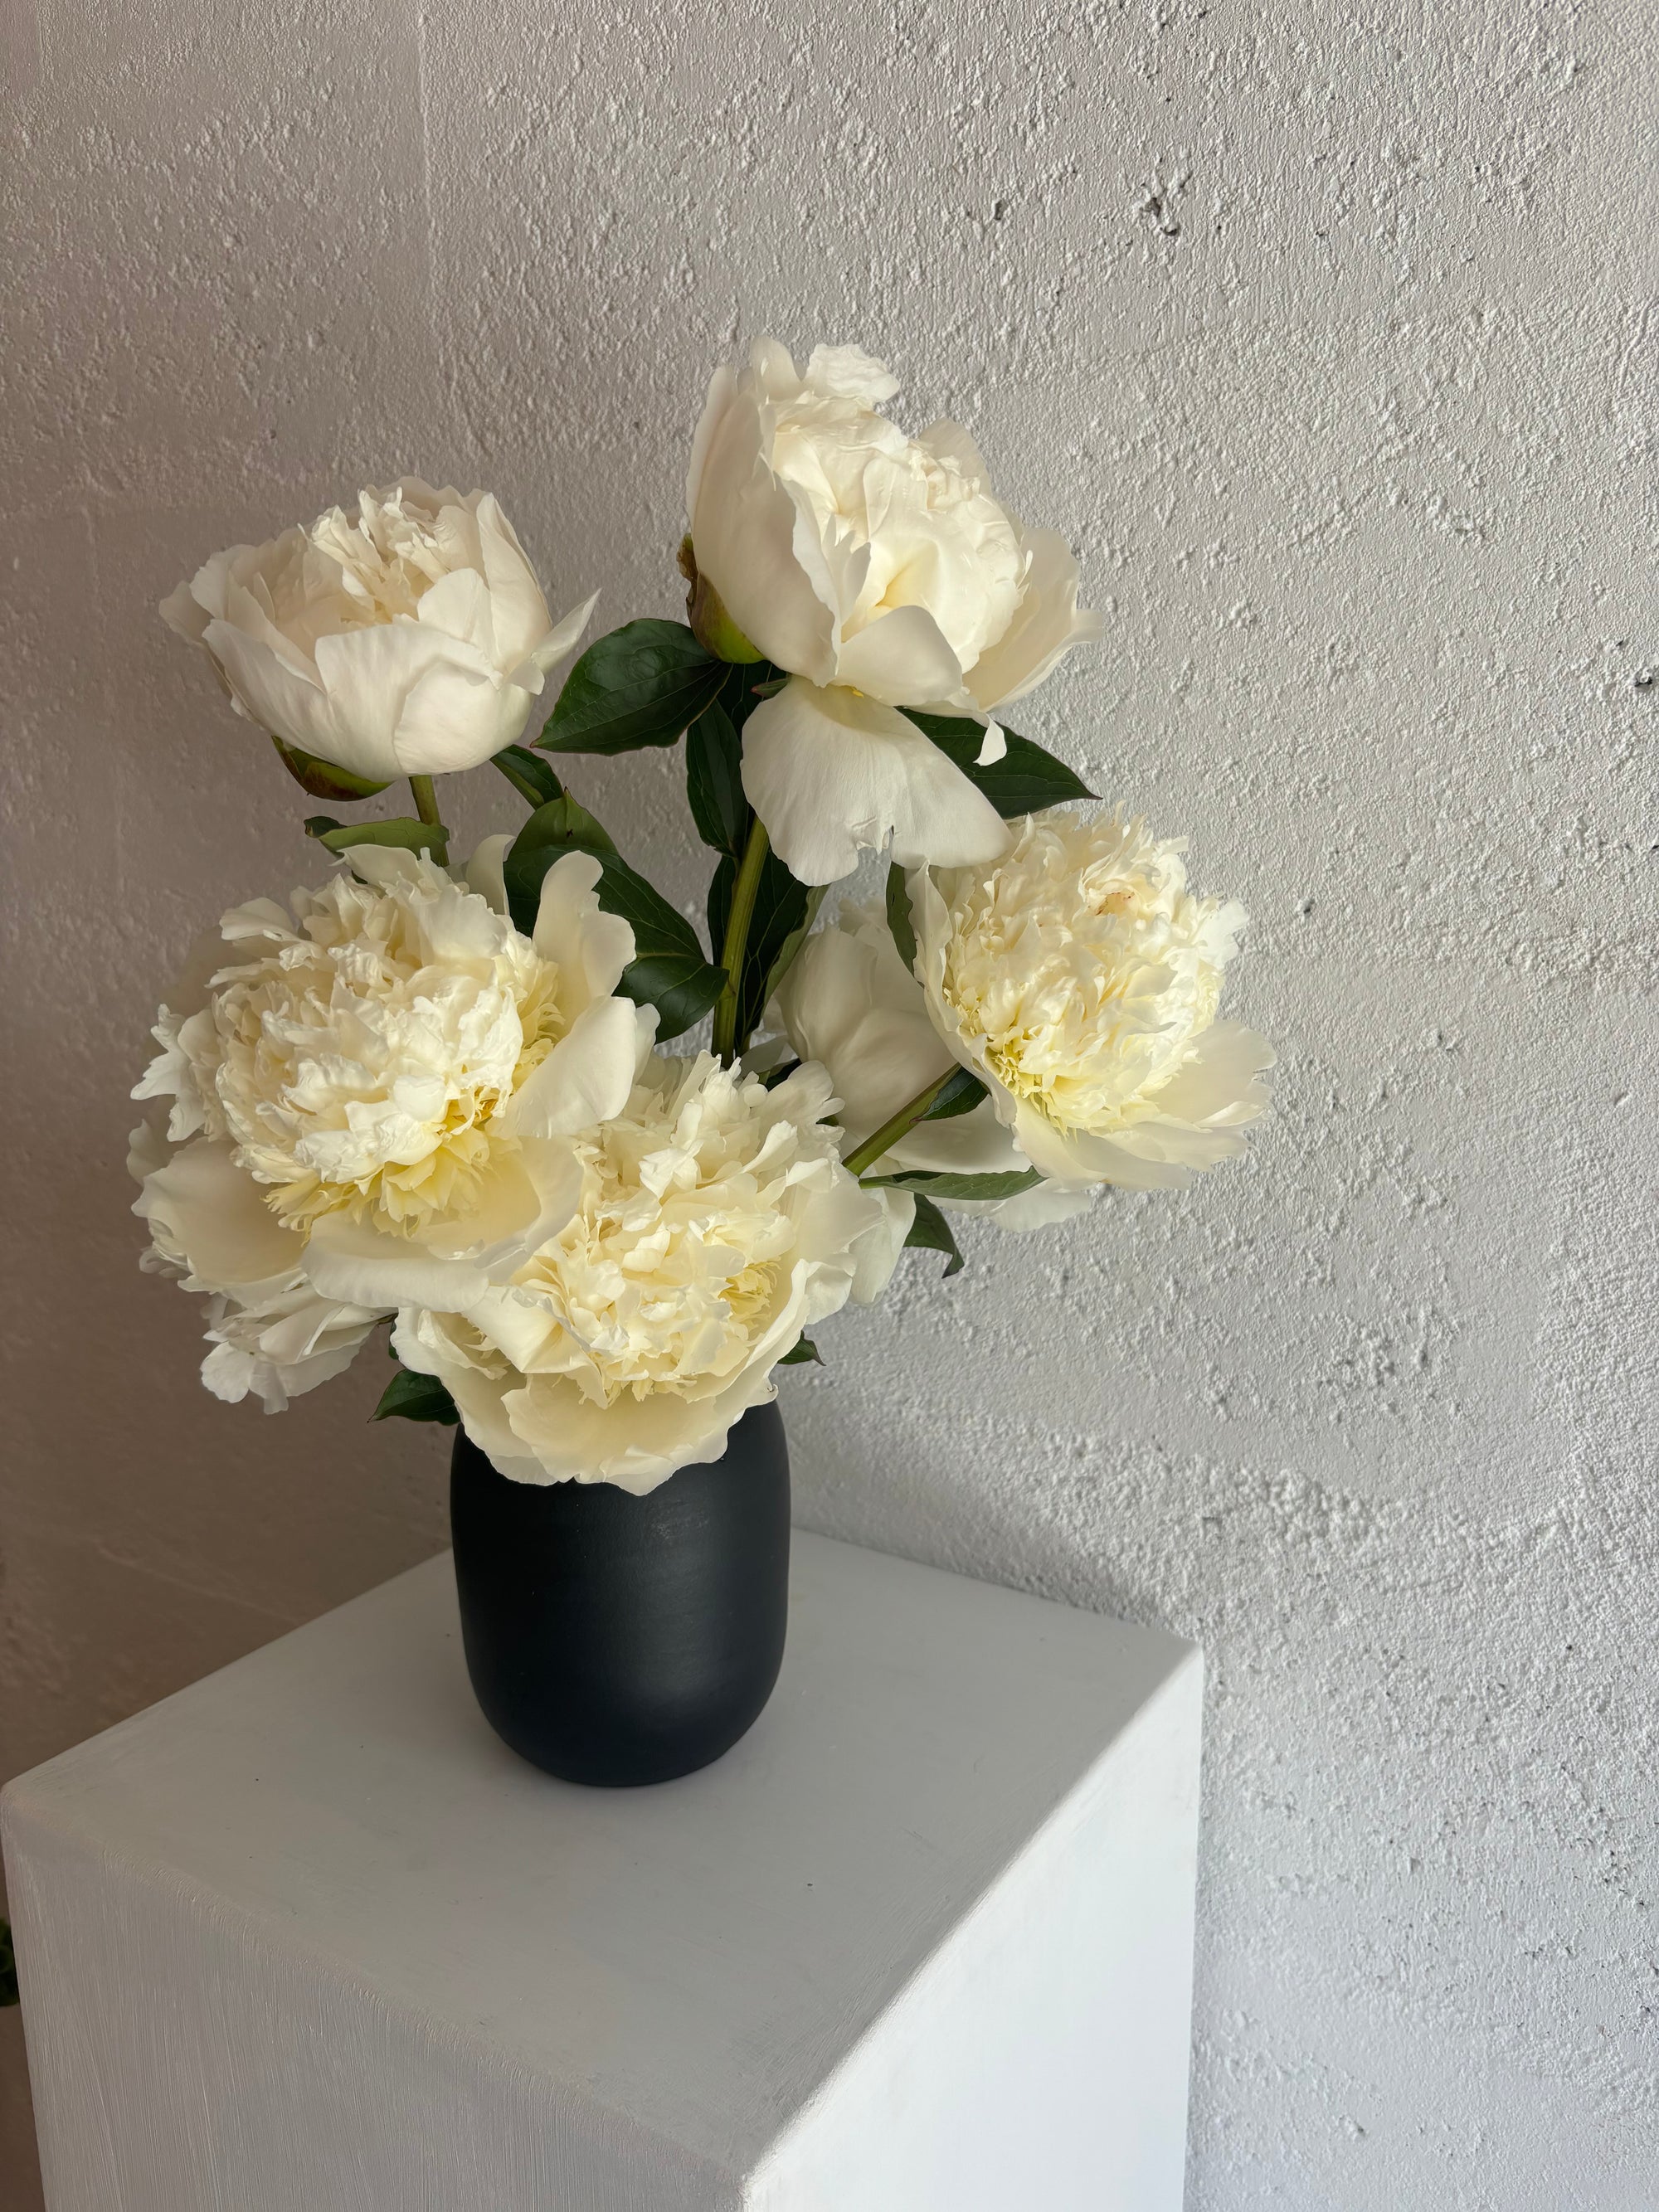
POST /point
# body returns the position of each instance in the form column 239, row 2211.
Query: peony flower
column 371, row 1103
column 407, row 639
column 1079, row 980
column 715, row 1223
column 880, row 572
column 850, row 1002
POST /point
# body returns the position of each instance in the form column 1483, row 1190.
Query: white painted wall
column 1328, row 335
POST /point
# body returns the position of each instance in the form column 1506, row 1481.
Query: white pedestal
column 308, row 1938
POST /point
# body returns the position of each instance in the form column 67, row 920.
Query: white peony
column 1079, row 980
column 850, row 1002
column 371, row 1103
column 881, row 573
column 715, row 1223
column 407, row 639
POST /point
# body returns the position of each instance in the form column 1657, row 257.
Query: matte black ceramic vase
column 614, row 1639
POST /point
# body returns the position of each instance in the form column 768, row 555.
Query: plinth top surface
column 697, row 1957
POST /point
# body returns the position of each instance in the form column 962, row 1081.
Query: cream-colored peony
column 409, row 639
column 374, row 1099
column 881, row 572
column 715, row 1224
column 1079, row 980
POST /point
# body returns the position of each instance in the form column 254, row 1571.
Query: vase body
column 616, row 1640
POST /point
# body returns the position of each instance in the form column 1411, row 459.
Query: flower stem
column 426, row 807
column 888, row 1135
column 727, row 1044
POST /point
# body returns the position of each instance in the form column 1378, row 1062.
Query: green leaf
column 713, row 780
column 931, row 1233
column 803, row 1351
column 899, row 919
column 669, row 970
column 531, row 777
column 415, row 1397
column 320, row 778
column 640, row 685
column 1024, row 782
column 8, row 1966
column 960, row 1186
column 780, row 1073
column 960, row 1096
column 403, row 831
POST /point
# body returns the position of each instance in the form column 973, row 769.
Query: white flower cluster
column 387, row 1103
column 397, row 1104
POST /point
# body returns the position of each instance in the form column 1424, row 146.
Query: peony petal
column 876, row 1249
column 459, row 604
column 1047, row 624
column 421, row 1348
column 484, row 869
column 407, row 699
column 456, row 716
column 848, row 373
column 850, row 1002
column 1041, row 1207
column 526, row 1196
column 590, row 946
column 637, row 1443
column 214, row 1213
column 520, row 616
column 948, row 441
column 831, row 773
column 290, row 706
column 559, row 640
column 744, row 536
column 975, row 1143
column 585, row 1078
column 901, row 658
column 351, row 1261
column 1217, row 1085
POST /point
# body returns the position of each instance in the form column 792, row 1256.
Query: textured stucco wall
column 1328, row 335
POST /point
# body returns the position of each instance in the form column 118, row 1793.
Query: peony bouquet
column 464, row 1098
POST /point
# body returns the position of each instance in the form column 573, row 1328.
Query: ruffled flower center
column 388, row 559
column 1086, row 970
column 902, row 523
column 357, row 1063
column 673, row 1265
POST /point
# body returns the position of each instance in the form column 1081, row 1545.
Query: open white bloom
column 1079, row 980
column 881, row 573
column 850, row 1002
column 715, row 1223
column 407, row 639
column 374, row 1099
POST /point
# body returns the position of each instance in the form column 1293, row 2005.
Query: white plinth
column 308, row 1938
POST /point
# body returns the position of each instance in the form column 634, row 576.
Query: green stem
column 888, row 1135
column 426, row 807
column 744, row 893
column 521, row 784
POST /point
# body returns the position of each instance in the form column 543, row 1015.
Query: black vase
column 614, row 1639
